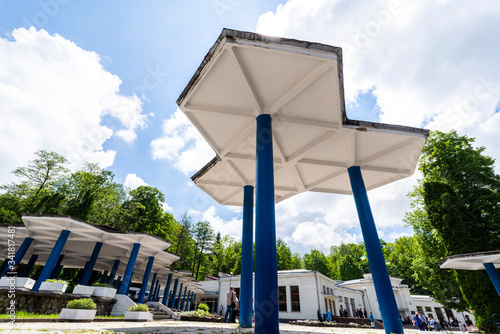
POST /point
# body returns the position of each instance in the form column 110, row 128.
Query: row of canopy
column 116, row 245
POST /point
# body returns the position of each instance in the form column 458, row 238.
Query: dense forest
column 455, row 210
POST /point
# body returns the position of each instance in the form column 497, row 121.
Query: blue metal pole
column 494, row 275
column 56, row 266
column 167, row 289
column 129, row 284
column 145, row 280
column 174, row 292
column 104, row 276
column 246, row 287
column 179, row 297
column 157, row 295
column 90, row 264
column 266, row 267
column 118, row 281
column 29, row 266
column 184, row 298
column 51, row 261
column 18, row 257
column 186, row 303
column 381, row 280
column 111, row 279
column 152, row 290
column 155, row 291
column 188, row 306
column 127, row 276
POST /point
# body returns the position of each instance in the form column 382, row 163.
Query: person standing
column 329, row 316
column 372, row 320
column 230, row 304
column 236, row 310
column 320, row 316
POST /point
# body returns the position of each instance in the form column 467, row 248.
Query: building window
column 294, row 290
column 419, row 308
column 346, row 302
column 282, row 298
column 428, row 309
column 353, row 307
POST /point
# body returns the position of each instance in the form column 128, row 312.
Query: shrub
column 50, row 280
column 82, row 304
column 139, row 308
column 203, row 307
column 102, row 285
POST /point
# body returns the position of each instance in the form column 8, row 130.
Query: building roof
column 471, row 261
column 300, row 84
column 45, row 230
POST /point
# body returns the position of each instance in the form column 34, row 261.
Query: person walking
column 320, row 316
column 372, row 320
column 329, row 316
column 230, row 304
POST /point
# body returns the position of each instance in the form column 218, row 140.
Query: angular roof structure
column 300, row 84
column 117, row 245
column 471, row 261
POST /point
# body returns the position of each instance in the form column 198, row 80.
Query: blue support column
column 188, row 306
column 152, row 289
column 266, row 268
column 157, row 294
column 174, row 292
column 184, row 298
column 155, row 291
column 18, row 257
column 117, row 283
column 145, row 280
column 129, row 284
column 56, row 266
column 127, row 276
column 104, row 276
column 381, row 280
column 167, row 289
column 29, row 266
column 51, row 261
column 177, row 305
column 111, row 279
column 186, row 303
column 246, row 288
column 194, row 300
column 494, row 275
column 90, row 264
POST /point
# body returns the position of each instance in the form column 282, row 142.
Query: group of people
column 359, row 313
column 423, row 323
column 232, row 306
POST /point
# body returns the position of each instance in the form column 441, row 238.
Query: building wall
column 318, row 291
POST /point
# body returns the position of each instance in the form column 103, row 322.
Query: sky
column 97, row 81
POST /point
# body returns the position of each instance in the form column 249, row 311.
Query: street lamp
column 230, row 278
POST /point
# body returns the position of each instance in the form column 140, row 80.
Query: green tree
column 296, row 261
column 316, row 260
column 284, row 255
column 182, row 242
column 456, row 210
column 203, row 236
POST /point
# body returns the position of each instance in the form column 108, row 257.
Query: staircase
column 158, row 314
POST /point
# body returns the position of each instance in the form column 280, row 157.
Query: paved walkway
column 165, row 327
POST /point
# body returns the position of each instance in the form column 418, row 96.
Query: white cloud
column 132, row 181
column 429, row 63
column 167, row 207
column 231, row 227
column 54, row 95
column 183, row 144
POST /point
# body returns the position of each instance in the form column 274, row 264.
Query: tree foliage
column 456, row 211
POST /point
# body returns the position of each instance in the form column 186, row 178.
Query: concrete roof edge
column 463, row 256
column 385, row 126
column 234, row 34
column 103, row 228
column 205, row 168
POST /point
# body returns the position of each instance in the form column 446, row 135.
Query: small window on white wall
column 294, row 292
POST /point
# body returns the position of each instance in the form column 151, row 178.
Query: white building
column 301, row 292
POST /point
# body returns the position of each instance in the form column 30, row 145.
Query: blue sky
column 98, row 80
